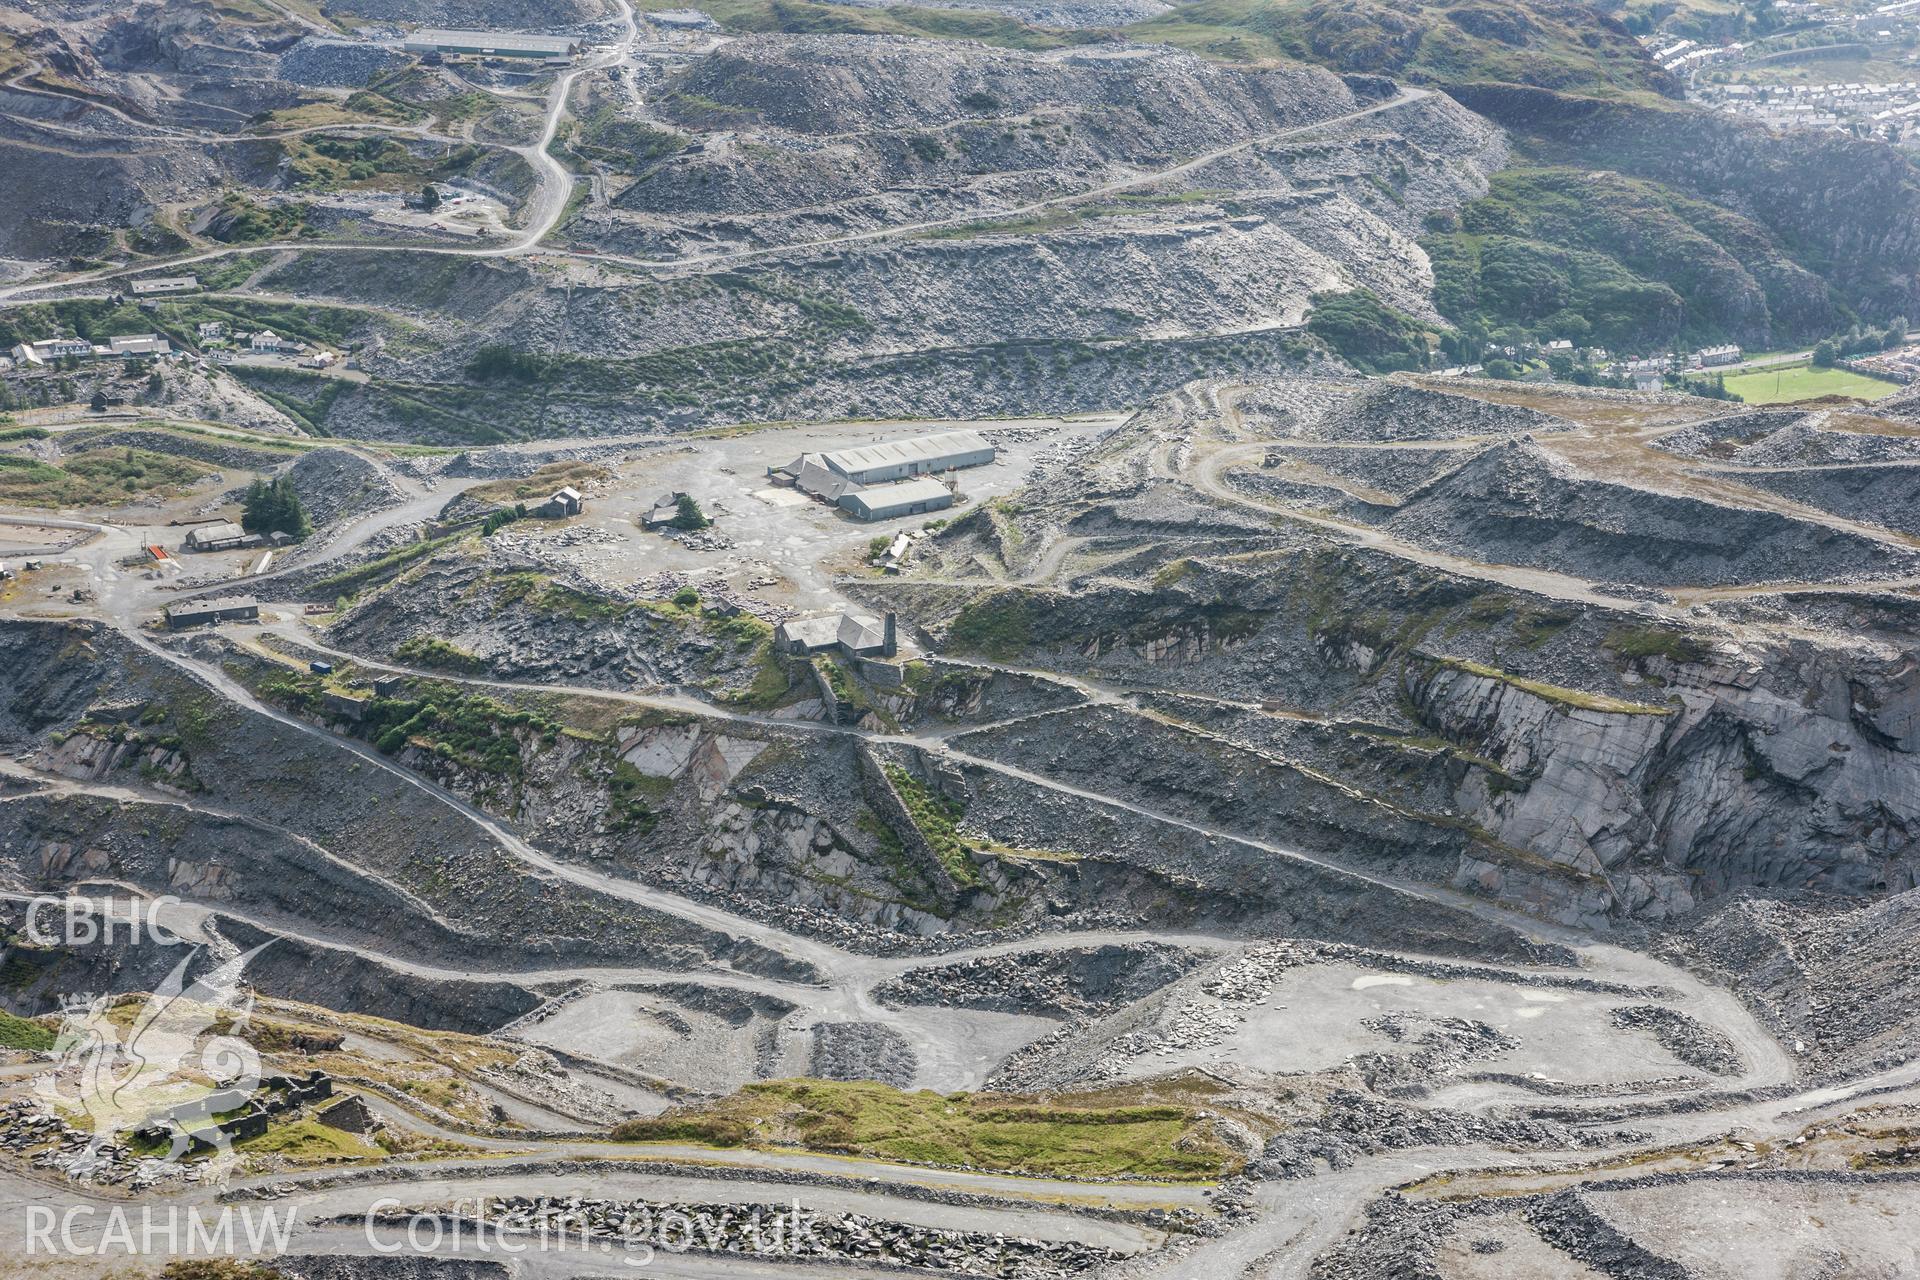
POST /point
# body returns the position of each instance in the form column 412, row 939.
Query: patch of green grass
column 322, row 163
column 105, row 477
column 1559, row 694
column 1804, row 382
column 349, row 582
column 1368, row 334
column 771, row 685
column 634, row 797
column 241, row 221
column 23, row 1033
column 1172, row 572
column 432, row 651
column 1057, row 218
column 1052, row 1136
column 996, row 625
column 307, row 1140
column 541, row 484
column 1563, row 252
column 1649, row 642
column 844, row 687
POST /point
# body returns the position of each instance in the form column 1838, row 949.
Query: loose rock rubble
column 50, row 1143
column 765, row 1229
column 1684, row 1037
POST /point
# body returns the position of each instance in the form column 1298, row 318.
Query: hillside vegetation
column 1550, row 43
column 1564, row 252
column 1683, row 196
column 1090, row 1137
column 1536, row 42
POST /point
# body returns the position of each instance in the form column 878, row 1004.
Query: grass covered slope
column 1095, row 1135
column 1565, row 252
column 1551, row 43
column 804, row 17
column 1821, row 222
column 1538, row 42
column 105, row 478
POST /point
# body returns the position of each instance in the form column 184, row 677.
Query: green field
column 1804, row 382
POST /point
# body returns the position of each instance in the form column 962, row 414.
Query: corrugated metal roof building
column 192, row 613
column 889, row 501
column 213, row 537
column 492, row 44
column 901, row 459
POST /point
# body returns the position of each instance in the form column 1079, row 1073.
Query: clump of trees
column 274, row 507
column 1372, row 336
column 1859, row 342
column 497, row 362
column 500, row 519
column 689, row 517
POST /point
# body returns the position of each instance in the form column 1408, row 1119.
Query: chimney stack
column 893, row 636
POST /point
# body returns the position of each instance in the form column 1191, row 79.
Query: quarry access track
column 853, row 975
column 1297, row 1219
column 548, row 204
column 1204, row 465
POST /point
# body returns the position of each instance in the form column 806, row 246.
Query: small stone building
column 223, row 535
column 853, row 635
column 194, row 613
column 564, row 502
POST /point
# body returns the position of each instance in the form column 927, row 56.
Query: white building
column 164, row 284
column 135, row 344
column 266, row 340
column 889, row 479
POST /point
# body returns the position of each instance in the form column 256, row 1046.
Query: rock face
column 1836, row 982
column 1591, row 763
column 1518, row 504
column 1781, row 785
